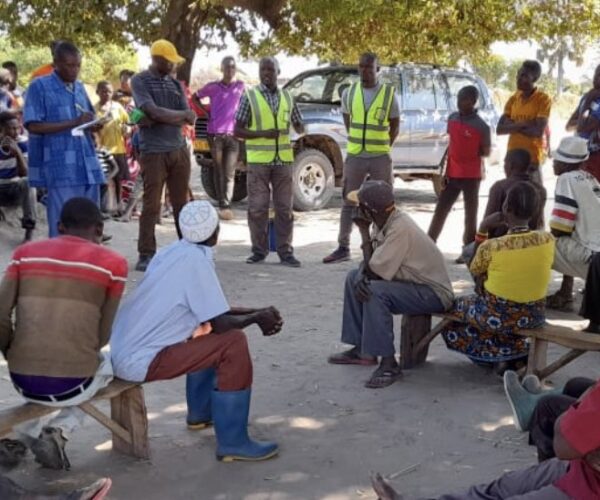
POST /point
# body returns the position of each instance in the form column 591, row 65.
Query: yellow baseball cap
column 166, row 49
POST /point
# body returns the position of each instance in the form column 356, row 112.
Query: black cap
column 376, row 195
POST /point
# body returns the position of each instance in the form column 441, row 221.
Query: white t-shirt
column 179, row 291
column 577, row 208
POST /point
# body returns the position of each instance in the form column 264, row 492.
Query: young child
column 469, row 143
column 112, row 135
column 14, row 186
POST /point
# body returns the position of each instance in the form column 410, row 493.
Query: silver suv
column 427, row 95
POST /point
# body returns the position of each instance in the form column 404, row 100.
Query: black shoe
column 28, row 235
column 255, row 258
column 592, row 328
column 106, row 238
column 143, row 262
column 290, row 261
column 340, row 254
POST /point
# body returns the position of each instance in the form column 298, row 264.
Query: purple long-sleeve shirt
column 224, row 100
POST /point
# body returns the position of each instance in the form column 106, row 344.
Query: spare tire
column 313, row 180
column 240, row 190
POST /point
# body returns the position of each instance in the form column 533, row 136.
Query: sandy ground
column 446, row 425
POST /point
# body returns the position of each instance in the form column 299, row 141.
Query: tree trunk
column 560, row 70
column 181, row 26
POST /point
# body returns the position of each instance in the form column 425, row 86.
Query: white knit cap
column 198, row 221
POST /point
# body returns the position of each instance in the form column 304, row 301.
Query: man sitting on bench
column 178, row 322
column 575, row 474
column 575, row 221
column 65, row 292
column 403, row 272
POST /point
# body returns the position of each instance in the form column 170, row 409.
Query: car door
column 401, row 146
column 425, row 113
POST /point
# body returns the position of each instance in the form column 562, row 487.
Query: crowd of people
column 178, row 321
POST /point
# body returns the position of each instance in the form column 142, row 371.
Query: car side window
column 393, row 77
column 309, row 89
column 457, row 82
column 326, row 87
column 423, row 91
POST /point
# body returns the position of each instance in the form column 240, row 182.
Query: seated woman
column 511, row 273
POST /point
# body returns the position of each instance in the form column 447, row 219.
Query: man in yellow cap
column 164, row 156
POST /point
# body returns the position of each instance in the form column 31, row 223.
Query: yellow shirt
column 521, row 109
column 111, row 134
column 517, row 266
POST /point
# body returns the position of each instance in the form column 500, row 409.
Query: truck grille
column 201, row 127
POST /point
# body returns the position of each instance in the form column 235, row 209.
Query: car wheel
column 240, row 188
column 208, row 181
column 313, row 180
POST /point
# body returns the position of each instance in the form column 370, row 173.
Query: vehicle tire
column 313, row 180
column 240, row 190
column 436, row 179
column 208, row 181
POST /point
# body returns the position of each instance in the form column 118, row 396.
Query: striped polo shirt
column 576, row 208
column 150, row 88
column 65, row 291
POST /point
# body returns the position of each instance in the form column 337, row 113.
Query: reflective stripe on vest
column 264, row 150
column 369, row 129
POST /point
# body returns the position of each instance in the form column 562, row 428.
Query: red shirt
column 579, row 425
column 468, row 135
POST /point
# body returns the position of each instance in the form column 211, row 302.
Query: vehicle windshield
column 324, row 87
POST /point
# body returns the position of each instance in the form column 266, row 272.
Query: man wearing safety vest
column 372, row 117
column 263, row 119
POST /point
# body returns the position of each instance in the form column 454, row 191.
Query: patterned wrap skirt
column 486, row 324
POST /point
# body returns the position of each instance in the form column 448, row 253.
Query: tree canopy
column 102, row 63
column 438, row 31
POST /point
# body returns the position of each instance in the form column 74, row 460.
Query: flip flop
column 350, row 358
column 95, row 491
column 383, row 377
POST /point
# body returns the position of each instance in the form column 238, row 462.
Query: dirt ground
column 446, row 425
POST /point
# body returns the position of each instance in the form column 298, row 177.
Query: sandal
column 351, row 357
column 383, row 377
column 559, row 302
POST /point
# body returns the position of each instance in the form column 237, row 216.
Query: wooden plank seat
column 128, row 421
column 419, row 334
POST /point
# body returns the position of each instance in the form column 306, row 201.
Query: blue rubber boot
column 198, row 390
column 230, row 410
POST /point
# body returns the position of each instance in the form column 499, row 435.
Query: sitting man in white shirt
column 178, row 322
column 575, row 221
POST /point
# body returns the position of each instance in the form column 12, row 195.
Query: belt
column 54, row 398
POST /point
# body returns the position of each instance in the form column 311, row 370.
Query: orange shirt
column 44, row 70
column 520, row 109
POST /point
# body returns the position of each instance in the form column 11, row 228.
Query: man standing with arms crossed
column 372, row 119
column 526, row 116
column 164, row 154
column 264, row 117
column 224, row 98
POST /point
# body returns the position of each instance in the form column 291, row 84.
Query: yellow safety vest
column 266, row 150
column 369, row 129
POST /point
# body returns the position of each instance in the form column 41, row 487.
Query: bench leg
column 537, row 360
column 564, row 360
column 413, row 329
column 128, row 409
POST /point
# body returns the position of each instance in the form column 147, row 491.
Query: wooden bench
column 128, row 421
column 417, row 334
